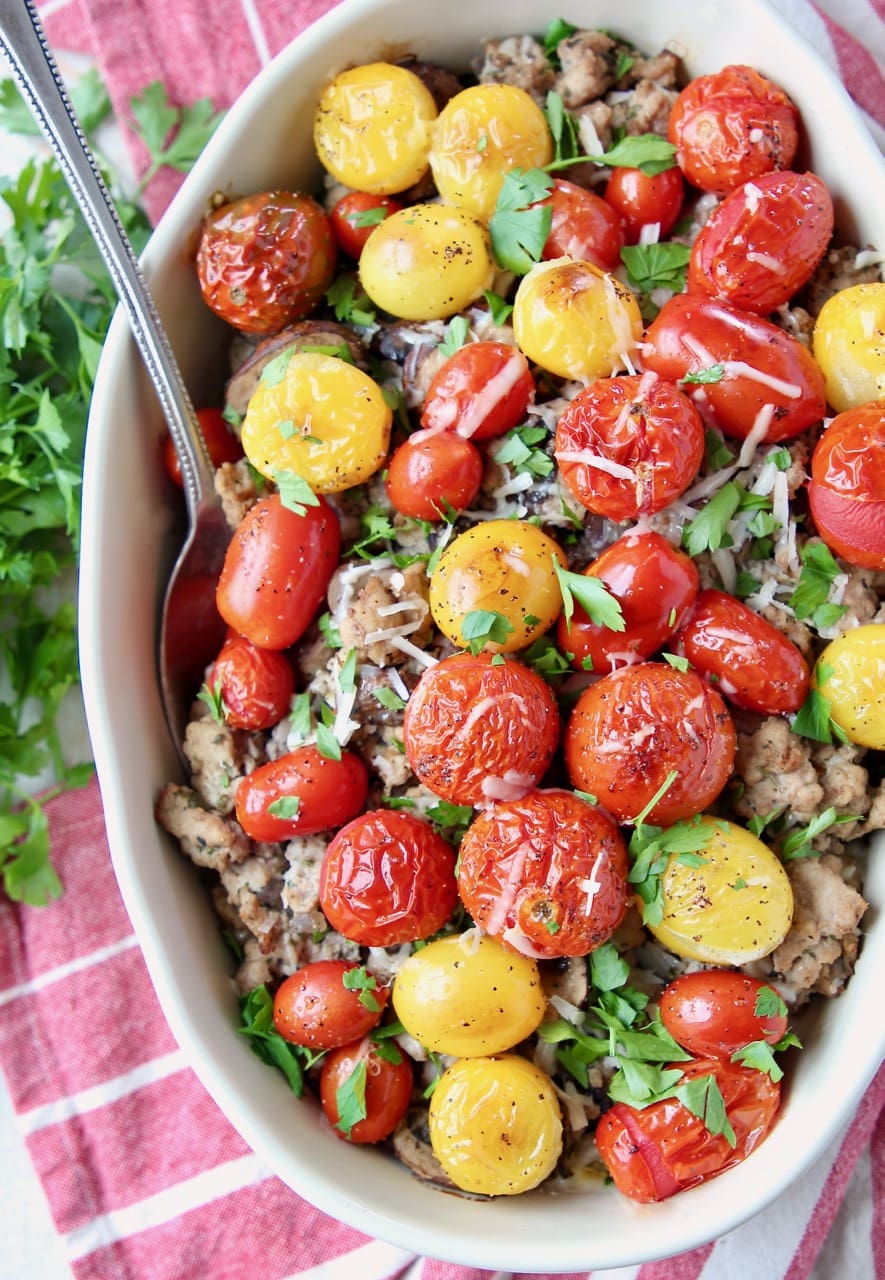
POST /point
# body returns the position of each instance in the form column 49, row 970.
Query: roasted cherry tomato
column 763, row 242
column 266, row 260
column 255, row 685
column 475, row 731
column 354, row 216
column 427, row 478
column 849, row 345
column 364, row 1095
column 496, row 1125
column 849, row 675
column 498, row 567
column 468, row 996
column 372, row 128
column 301, row 793
column 481, row 391
column 732, row 126
column 276, row 571
column 655, row 585
column 847, row 488
column 582, row 226
column 641, row 200
column 753, row 664
column 387, row 877
column 545, row 875
column 634, row 728
column 328, row 1003
column 626, row 447
column 763, row 369
column 714, row 1013
column 664, row 1148
column 221, row 442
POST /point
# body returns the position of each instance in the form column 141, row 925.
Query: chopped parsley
column 677, row 660
column 257, row 1024
column 350, row 1099
column 650, row 850
column 814, row 719
column 564, row 131
column 457, row 333
column 810, row 599
column 543, row 656
column 646, row 151
column 704, row 377
column 359, row 979
column 367, row 217
column 389, row 700
column 484, row 626
column 592, row 595
column 769, row 1004
column 656, row 266
column 519, row 226
column 273, row 373
column 214, row 700
column 798, row 844
column 348, row 301
column 286, row 807
column 499, row 308
column 295, row 493
column 556, row 31
column 517, row 449
column 708, row 530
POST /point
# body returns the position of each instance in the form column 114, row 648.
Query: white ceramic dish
column 128, row 539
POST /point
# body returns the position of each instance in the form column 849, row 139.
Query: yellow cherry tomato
column 497, row 567
column 324, row 420
column 372, row 128
column 575, row 320
column 466, row 997
column 849, row 345
column 426, row 262
column 736, row 906
column 850, row 673
column 481, row 134
column 495, row 1125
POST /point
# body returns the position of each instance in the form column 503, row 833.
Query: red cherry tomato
column 633, row 728
column 301, row 793
column 482, row 391
column 847, row 488
column 475, row 731
column 732, row 126
column 583, row 226
column 626, row 447
column 256, row 685
column 754, row 665
column 221, row 442
column 665, row 1148
column 640, row 200
column 266, row 260
column 545, row 875
column 387, row 1085
column 426, row 477
column 712, row 1013
column 763, row 242
column 387, row 877
column 355, row 216
column 765, row 370
column 655, row 585
column 315, row 1009
column 276, row 571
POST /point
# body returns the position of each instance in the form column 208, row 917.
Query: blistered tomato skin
column 388, row 1091
column 753, row 664
column 583, row 226
column 626, row 447
column 495, row 1125
column 846, row 492
column 504, row 567
column 575, row 320
column 324, row 420
column 480, row 392
column 630, row 730
column 849, row 345
column 327, row 794
column 655, row 585
column 266, row 260
column 475, row 731
column 468, row 996
column 372, row 128
column 427, row 478
column 766, row 371
column 221, row 442
column 641, row 200
column 255, row 685
column 763, row 242
column 732, row 126
column 387, row 877
column 276, row 571
column 426, row 262
column 313, row 1007
column 481, row 134
column 712, row 1013
column 849, row 675
column 545, row 875
column 664, row 1148
column 736, row 906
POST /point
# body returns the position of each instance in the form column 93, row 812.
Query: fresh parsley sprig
column 592, row 595
column 174, row 136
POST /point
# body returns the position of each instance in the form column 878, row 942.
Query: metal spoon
column 190, row 628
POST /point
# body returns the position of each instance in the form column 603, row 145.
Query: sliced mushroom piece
column 305, row 335
column 411, row 1144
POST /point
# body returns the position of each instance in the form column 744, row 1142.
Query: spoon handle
column 23, row 42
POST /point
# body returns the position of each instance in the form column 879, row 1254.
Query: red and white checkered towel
column 145, row 1178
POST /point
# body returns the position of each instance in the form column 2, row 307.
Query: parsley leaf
column 563, row 129
column 760, row 1055
column 359, row 979
column 654, row 266
column 798, row 844
column 703, row 1098
column 327, row 744
column 819, row 570
column 295, row 493
column 769, row 1004
column 191, row 128
column 484, row 626
column 350, row 1099
column 499, row 307
column 348, row 301
column 286, row 807
column 646, row 151
column 519, row 226
column 704, row 377
column 814, row 718
column 543, row 656
column 517, row 449
column 456, row 335
column 257, row 1024
column 556, row 31
column 708, row 530
column 608, row 969
column 390, row 700
column 592, row 595
column 214, row 701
